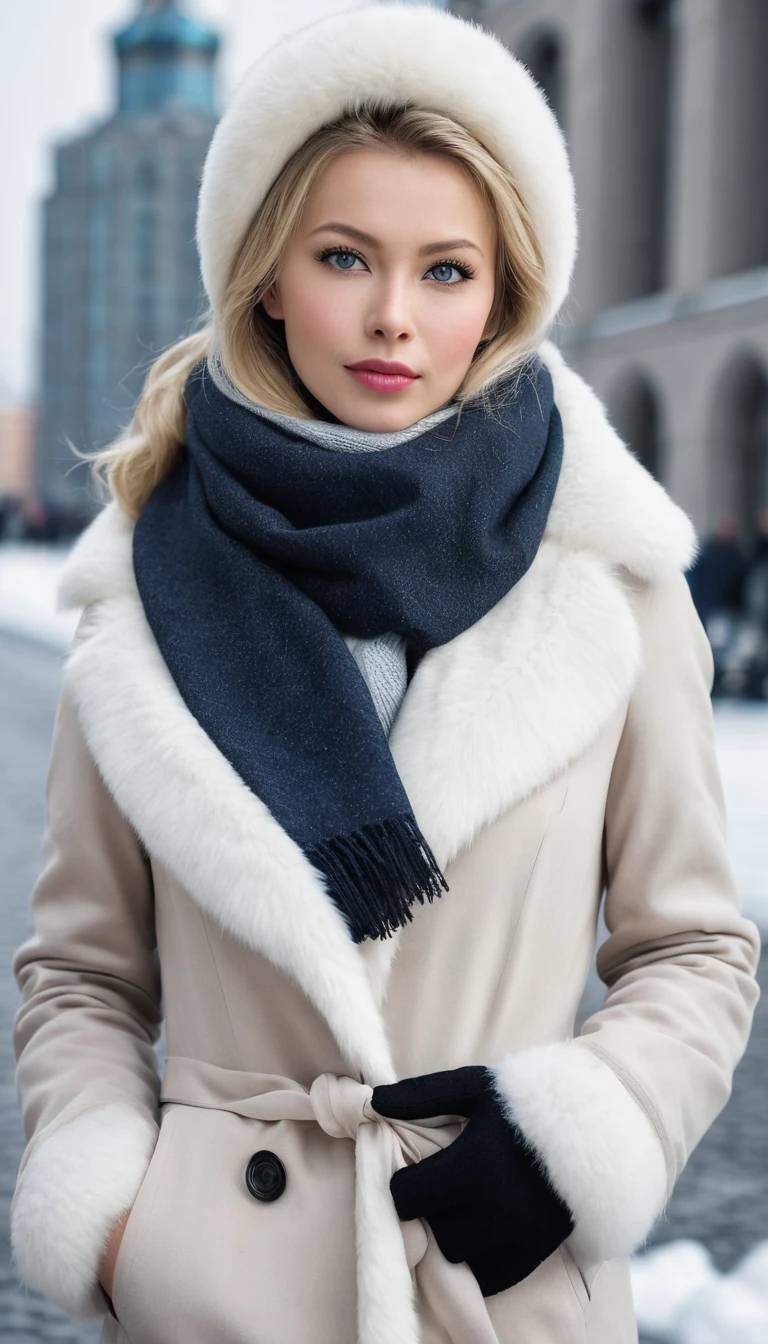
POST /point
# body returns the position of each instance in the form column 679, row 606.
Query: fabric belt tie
column 387, row 1250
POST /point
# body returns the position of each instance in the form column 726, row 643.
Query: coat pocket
column 137, row 1218
column 550, row 1306
column 581, row 1278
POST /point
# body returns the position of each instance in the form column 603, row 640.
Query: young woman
column 387, row 670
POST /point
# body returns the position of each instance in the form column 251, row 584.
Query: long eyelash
column 330, row 251
column 465, row 271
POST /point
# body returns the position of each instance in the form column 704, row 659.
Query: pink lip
column 383, row 375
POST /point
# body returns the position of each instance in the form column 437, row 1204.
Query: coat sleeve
column 615, row 1114
column 84, row 1032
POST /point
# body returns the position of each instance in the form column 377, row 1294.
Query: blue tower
column 165, row 60
column 121, row 278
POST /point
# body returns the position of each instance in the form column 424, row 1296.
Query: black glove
column 484, row 1197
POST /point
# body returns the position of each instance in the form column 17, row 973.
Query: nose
column 391, row 314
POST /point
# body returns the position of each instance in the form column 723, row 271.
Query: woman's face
column 394, row 263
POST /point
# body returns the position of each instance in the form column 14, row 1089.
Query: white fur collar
column 545, row 668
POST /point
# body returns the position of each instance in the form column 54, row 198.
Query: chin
column 380, row 419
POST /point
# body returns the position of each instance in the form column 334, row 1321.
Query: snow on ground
column 28, row 577
column 680, row 1298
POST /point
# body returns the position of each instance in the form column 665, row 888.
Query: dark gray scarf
column 260, row 543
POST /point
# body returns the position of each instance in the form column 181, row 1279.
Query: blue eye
column 442, row 271
column 345, row 259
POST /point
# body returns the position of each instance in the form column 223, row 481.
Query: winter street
column 722, row 1197
column 29, row 680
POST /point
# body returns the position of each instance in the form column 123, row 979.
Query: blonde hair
column 251, row 345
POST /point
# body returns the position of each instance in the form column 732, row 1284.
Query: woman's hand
column 107, row 1266
column 485, row 1196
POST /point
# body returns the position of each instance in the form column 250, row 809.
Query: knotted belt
column 387, row 1250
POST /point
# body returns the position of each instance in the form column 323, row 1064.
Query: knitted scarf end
column 375, row 874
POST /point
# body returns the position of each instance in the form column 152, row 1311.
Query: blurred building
column 120, row 269
column 664, row 104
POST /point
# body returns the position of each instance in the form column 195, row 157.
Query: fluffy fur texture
column 74, row 1187
column 606, row 501
column 386, row 1309
column 598, row 1146
column 545, row 669
column 388, row 52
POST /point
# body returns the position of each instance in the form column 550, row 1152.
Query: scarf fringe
column 377, row 872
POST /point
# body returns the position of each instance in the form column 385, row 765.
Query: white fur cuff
column 72, row 1189
column 599, row 1147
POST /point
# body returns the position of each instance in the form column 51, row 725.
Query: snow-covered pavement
column 681, row 1299
column 28, row 577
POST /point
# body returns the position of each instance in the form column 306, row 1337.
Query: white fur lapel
column 505, row 707
column 487, row 719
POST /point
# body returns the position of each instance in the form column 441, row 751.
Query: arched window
column 636, row 414
column 738, row 448
column 634, row 97
column 739, row 180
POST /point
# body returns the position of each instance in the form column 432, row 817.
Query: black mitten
column 484, row 1197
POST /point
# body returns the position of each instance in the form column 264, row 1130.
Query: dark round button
column 265, row 1176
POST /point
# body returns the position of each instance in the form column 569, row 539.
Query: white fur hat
column 389, row 52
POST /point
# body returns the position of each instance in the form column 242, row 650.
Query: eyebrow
column 368, row 239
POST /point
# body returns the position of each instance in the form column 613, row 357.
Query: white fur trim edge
column 599, row 1147
column 606, row 500
column 386, row 1309
column 73, row 1188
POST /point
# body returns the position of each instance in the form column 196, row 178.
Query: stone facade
column 664, row 105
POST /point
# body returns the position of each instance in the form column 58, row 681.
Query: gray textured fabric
column 382, row 663
column 381, row 660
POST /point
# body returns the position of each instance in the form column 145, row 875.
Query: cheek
column 454, row 333
column 315, row 320
column 308, row 322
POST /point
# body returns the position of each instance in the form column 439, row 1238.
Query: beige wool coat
column 558, row 750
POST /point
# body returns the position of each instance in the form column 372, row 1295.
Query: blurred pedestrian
column 717, row 577
column 755, row 585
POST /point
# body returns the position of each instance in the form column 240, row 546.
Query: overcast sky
column 56, row 79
